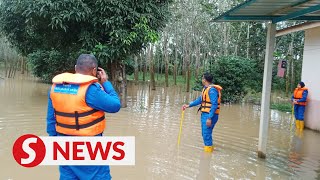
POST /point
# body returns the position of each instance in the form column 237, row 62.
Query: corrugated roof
column 273, row 10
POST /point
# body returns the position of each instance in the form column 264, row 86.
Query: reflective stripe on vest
column 298, row 94
column 73, row 115
column 206, row 103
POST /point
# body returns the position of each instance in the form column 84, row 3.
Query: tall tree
column 166, row 58
column 136, row 68
column 151, row 66
column 53, row 32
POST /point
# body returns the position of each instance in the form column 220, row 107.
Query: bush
column 236, row 75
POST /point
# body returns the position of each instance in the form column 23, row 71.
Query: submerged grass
column 284, row 107
column 160, row 79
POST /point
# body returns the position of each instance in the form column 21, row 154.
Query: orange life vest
column 298, row 94
column 73, row 115
column 206, row 103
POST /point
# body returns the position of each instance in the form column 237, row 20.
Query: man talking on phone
column 76, row 107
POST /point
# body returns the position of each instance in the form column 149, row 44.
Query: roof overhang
column 273, row 10
column 296, row 28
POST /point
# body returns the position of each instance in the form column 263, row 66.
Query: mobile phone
column 98, row 74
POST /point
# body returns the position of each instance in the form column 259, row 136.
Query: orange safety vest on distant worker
column 73, row 115
column 298, row 94
column 206, row 103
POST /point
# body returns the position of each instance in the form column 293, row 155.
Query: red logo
column 29, row 150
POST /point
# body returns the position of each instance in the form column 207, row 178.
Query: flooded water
column 153, row 117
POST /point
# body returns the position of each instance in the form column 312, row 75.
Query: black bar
column 81, row 126
column 73, row 114
column 77, row 120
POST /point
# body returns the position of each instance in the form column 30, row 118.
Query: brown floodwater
column 153, row 117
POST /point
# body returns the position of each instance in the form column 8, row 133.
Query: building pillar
column 266, row 91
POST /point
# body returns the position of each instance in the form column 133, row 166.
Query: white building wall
column 311, row 77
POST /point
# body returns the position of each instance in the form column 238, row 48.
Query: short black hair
column 86, row 62
column 302, row 84
column 208, row 77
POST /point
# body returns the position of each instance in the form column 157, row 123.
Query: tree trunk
column 136, row 69
column 158, row 63
column 291, row 64
column 26, row 67
column 229, row 26
column 292, row 74
column 6, row 67
column 188, row 78
column 11, row 70
column 14, row 70
column 119, row 79
column 188, row 73
column 288, row 73
column 22, row 65
column 185, row 59
column 204, row 61
column 183, row 67
column 123, row 87
column 225, row 39
column 238, row 41
column 175, row 67
column 144, row 68
column 161, row 64
column 197, row 60
column 140, row 64
column 166, row 59
column 151, row 66
column 248, row 41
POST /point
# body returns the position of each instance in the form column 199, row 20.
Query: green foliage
column 284, row 107
column 113, row 30
column 236, row 75
column 47, row 64
column 129, row 63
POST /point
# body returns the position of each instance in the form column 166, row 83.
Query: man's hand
column 103, row 75
column 209, row 123
column 185, row 106
column 295, row 101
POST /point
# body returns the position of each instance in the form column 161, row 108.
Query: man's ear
column 94, row 72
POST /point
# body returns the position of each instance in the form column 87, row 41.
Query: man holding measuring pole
column 209, row 100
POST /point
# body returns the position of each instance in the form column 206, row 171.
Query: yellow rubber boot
column 297, row 125
column 208, row 149
column 301, row 126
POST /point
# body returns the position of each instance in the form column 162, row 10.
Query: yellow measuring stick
column 181, row 120
column 292, row 117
